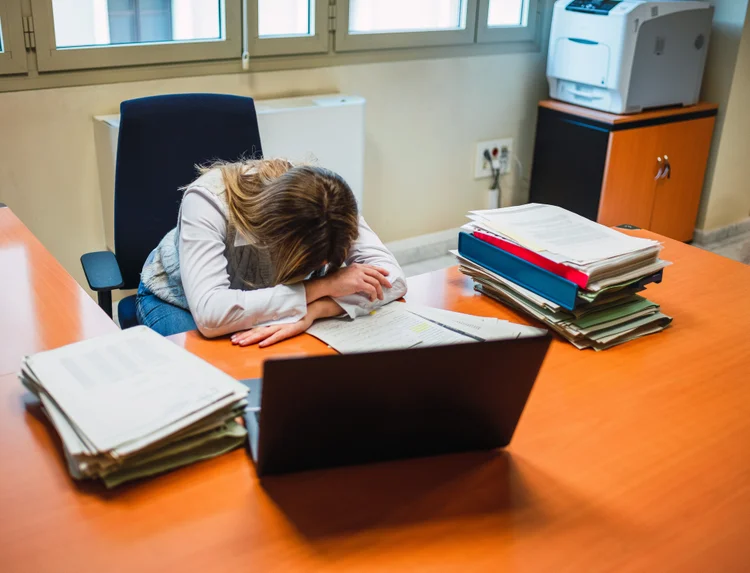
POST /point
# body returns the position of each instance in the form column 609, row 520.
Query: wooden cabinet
column 677, row 196
column 644, row 169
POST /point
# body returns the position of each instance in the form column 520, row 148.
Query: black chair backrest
column 162, row 139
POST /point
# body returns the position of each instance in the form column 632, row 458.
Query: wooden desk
column 634, row 459
column 41, row 305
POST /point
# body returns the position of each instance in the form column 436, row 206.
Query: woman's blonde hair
column 306, row 216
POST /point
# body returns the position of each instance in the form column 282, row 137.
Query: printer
column 624, row 56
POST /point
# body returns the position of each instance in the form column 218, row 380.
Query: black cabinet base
column 569, row 162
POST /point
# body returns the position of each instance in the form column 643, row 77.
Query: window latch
column 29, row 35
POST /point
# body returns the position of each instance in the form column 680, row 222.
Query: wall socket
column 500, row 149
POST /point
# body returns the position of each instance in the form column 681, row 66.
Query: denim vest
column 249, row 266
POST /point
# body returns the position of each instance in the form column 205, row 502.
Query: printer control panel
column 601, row 7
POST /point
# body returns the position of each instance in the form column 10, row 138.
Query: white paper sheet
column 390, row 327
column 483, row 327
column 129, row 385
column 553, row 229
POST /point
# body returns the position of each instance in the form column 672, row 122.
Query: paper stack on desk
column 403, row 325
column 132, row 404
column 577, row 277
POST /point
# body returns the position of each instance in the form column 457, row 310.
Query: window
column 136, row 21
column 383, row 16
column 368, row 24
column 505, row 13
column 129, row 32
column 281, row 27
column 113, row 22
column 507, row 21
column 285, row 18
column 12, row 48
column 67, row 35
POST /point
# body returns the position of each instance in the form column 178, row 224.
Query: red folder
column 568, row 273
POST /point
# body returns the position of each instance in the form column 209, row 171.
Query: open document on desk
column 403, row 325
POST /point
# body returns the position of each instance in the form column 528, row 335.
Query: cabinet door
column 677, row 198
column 629, row 178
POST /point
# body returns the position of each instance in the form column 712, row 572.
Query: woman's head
column 307, row 216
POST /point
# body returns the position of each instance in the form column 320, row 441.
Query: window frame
column 13, row 56
column 526, row 32
column 347, row 42
column 52, row 59
column 318, row 43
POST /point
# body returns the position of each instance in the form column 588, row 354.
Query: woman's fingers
column 372, row 281
column 278, row 336
column 378, row 275
column 237, row 336
column 255, row 335
column 368, row 289
column 380, row 270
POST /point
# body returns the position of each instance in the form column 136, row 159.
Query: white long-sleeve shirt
column 219, row 309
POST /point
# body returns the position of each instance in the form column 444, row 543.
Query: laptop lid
column 326, row 411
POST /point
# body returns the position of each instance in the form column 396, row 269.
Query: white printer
column 622, row 56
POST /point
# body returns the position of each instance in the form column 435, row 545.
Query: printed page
column 483, row 327
column 380, row 330
column 549, row 228
column 122, row 387
column 390, row 327
column 629, row 276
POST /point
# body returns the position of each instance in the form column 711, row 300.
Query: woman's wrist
column 316, row 289
column 323, row 308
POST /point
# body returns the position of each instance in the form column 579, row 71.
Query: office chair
column 161, row 140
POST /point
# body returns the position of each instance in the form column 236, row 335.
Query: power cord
column 495, row 191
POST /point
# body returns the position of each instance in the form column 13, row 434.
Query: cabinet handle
column 660, row 173
column 667, row 168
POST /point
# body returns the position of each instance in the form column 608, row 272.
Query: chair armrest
column 103, row 275
column 102, row 271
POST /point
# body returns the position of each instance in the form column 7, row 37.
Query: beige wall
column 727, row 196
column 423, row 120
column 718, row 205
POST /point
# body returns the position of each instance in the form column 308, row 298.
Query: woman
column 262, row 249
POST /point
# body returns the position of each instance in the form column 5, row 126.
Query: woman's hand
column 356, row 278
column 267, row 335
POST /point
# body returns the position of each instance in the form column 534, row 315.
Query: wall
column 423, row 120
column 719, row 204
column 727, row 196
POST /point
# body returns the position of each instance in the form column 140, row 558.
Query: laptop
column 325, row 411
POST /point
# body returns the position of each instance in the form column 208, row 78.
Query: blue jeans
column 164, row 318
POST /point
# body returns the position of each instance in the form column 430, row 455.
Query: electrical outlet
column 500, row 150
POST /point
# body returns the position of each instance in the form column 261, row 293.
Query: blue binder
column 519, row 271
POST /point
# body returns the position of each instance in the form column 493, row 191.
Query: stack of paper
column 132, row 404
column 402, row 325
column 578, row 277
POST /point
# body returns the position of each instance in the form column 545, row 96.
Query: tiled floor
column 737, row 248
